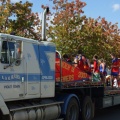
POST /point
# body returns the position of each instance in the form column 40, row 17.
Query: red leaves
column 103, row 21
column 66, row 9
column 24, row 20
column 70, row 30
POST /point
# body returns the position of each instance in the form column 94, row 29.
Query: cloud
column 116, row 7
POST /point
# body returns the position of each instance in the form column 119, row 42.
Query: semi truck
column 37, row 84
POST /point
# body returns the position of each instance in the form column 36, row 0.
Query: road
column 112, row 113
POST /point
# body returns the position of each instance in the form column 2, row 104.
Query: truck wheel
column 87, row 109
column 72, row 112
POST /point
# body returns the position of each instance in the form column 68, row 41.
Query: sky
column 109, row 9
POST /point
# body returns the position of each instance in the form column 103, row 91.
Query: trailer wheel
column 87, row 109
column 72, row 112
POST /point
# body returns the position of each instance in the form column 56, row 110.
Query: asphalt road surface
column 111, row 113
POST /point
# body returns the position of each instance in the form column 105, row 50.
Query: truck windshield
column 8, row 52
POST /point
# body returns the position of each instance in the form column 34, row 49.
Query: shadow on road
column 111, row 113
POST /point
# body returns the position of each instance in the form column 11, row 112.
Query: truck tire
column 87, row 109
column 72, row 112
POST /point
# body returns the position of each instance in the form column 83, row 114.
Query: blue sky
column 109, row 9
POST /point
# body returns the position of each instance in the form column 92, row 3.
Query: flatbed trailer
column 91, row 95
column 101, row 96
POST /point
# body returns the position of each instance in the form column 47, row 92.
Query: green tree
column 66, row 24
column 19, row 18
column 71, row 31
column 99, row 37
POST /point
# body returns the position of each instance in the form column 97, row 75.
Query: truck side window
column 8, row 52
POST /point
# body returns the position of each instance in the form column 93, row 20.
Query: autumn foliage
column 71, row 30
column 19, row 18
column 67, row 27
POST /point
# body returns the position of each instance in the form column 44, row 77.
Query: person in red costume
column 81, row 62
column 96, row 74
column 95, row 64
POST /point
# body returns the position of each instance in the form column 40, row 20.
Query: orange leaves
column 22, row 22
column 5, row 11
column 72, row 31
column 66, row 23
column 103, row 21
column 65, row 10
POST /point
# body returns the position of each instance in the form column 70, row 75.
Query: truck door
column 12, row 77
column 31, row 58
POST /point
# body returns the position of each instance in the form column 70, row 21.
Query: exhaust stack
column 44, row 23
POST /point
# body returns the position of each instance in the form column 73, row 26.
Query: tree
column 71, row 30
column 4, row 14
column 19, row 18
column 66, row 24
column 99, row 37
